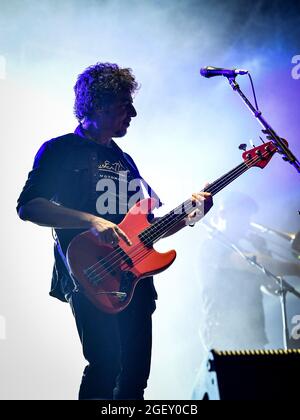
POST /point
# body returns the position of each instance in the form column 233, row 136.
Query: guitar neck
column 226, row 179
column 163, row 225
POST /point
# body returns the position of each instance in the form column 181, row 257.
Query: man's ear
column 99, row 111
column 102, row 109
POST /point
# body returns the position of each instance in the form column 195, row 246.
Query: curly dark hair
column 99, row 85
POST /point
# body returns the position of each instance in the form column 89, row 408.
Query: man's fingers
column 199, row 198
column 202, row 194
column 113, row 238
column 110, row 235
column 195, row 215
column 206, row 184
column 122, row 235
column 202, row 202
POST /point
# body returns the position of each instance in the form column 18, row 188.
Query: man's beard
column 120, row 133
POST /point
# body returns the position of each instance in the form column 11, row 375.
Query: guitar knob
column 243, row 146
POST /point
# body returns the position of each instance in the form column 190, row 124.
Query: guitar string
column 217, row 186
column 140, row 247
column 156, row 231
column 142, row 252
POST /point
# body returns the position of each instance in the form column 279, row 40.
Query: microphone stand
column 282, row 147
column 284, row 286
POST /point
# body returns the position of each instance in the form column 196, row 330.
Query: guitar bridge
column 120, row 295
column 127, row 278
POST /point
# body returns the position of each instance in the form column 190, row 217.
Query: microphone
column 216, row 71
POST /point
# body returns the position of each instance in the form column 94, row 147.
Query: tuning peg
column 243, row 146
column 262, row 140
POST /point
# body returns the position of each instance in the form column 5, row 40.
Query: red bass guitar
column 108, row 275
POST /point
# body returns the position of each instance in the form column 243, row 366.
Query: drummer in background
column 231, row 289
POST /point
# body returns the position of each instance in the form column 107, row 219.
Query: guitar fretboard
column 164, row 224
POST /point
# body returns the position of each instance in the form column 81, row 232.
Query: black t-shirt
column 116, row 185
column 75, row 172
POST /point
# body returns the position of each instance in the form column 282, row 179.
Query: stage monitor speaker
column 249, row 375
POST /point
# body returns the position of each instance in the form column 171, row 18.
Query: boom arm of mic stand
column 282, row 147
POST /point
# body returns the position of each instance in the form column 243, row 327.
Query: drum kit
column 278, row 285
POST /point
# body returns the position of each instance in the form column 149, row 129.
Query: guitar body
column 108, row 275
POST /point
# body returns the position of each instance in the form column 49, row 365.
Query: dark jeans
column 117, row 347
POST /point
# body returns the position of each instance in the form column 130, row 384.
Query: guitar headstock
column 260, row 156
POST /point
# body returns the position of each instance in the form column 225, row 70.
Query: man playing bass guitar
column 81, row 182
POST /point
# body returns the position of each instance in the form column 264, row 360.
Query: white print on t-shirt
column 115, row 167
column 107, row 203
